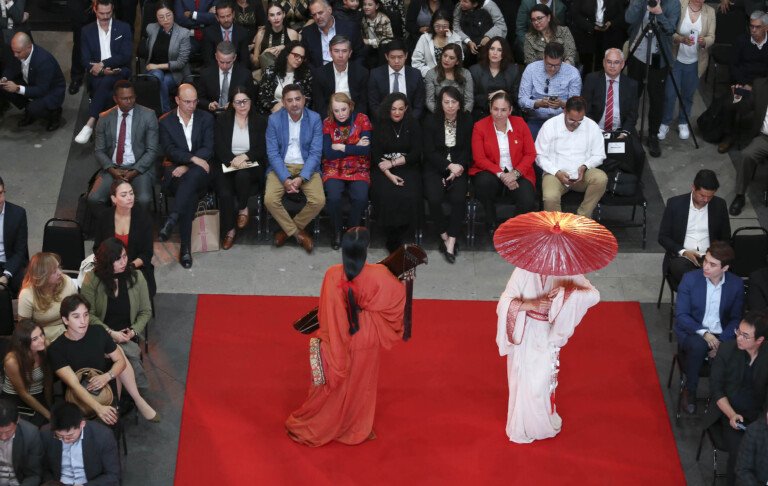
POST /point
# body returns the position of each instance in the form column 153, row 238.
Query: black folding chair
column 6, row 311
column 65, row 238
column 750, row 244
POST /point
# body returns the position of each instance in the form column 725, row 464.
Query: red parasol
column 554, row 243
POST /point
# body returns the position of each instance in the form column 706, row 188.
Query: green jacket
column 138, row 296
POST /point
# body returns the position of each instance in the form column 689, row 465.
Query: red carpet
column 442, row 404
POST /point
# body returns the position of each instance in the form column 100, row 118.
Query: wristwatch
column 111, row 376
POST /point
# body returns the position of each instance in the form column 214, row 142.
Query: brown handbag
column 103, row 396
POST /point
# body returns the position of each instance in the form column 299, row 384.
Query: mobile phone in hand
column 554, row 98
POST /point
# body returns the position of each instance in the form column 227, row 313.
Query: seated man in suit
column 34, row 83
column 21, row 452
column 739, row 385
column 396, row 77
column 186, row 135
column 340, row 76
column 569, row 150
column 546, row 85
column 133, row 161
column 14, row 255
column 89, row 447
column 107, row 47
column 317, row 36
column 195, row 15
column 757, row 294
column 690, row 222
column 225, row 29
column 752, row 463
column 217, row 82
column 294, row 148
column 708, row 309
column 757, row 150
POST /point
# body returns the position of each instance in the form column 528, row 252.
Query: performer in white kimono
column 536, row 316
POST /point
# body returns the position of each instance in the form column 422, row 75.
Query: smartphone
column 741, row 92
column 554, row 98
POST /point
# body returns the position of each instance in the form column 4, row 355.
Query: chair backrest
column 147, row 88
column 751, row 246
column 65, row 238
column 6, row 311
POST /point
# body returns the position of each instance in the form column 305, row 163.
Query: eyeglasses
column 297, row 56
column 613, row 63
column 755, row 27
column 536, row 20
column 546, row 86
column 165, row 16
column 189, row 102
column 242, row 102
column 441, row 26
column 743, row 335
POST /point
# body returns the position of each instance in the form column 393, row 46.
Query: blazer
column 120, row 46
column 310, row 39
column 435, row 151
column 325, row 85
column 499, row 25
column 583, row 22
column 140, row 243
column 378, row 89
column 484, row 84
column 96, row 293
column 423, row 57
column 45, row 81
column 174, row 142
column 707, row 32
column 209, row 88
column 212, row 36
column 760, row 106
column 752, row 466
column 100, row 456
column 179, row 50
column 692, row 303
column 311, row 140
column 485, row 148
column 144, row 138
column 257, row 127
column 674, row 222
column 27, row 455
column 15, row 238
column 667, row 23
column 593, row 90
column 204, row 16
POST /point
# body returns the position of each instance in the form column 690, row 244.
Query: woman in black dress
column 397, row 182
column 495, row 72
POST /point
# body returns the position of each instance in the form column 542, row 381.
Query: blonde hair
column 41, row 266
column 340, row 98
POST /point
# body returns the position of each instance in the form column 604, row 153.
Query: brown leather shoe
column 724, row 146
column 304, row 240
column 280, row 238
column 242, row 220
column 228, row 242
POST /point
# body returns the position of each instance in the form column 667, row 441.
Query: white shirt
column 697, row 230
column 616, row 109
column 105, row 39
column 293, row 154
column 400, row 80
column 561, row 149
column 689, row 54
column 187, row 128
column 7, row 473
column 128, row 157
column 25, row 70
column 600, row 12
column 711, row 321
column 325, row 40
column 502, row 138
column 342, row 79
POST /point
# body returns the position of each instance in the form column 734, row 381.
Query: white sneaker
column 684, row 131
column 84, row 135
column 663, row 130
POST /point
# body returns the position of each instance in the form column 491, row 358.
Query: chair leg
column 645, row 222
column 701, row 443
column 671, row 371
column 671, row 313
column 661, row 292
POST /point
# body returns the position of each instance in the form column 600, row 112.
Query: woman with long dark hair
column 429, row 48
column 291, row 67
column 271, row 39
column 495, row 72
column 545, row 29
column 27, row 373
column 449, row 72
column 361, row 310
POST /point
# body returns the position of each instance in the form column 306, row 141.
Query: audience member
column 195, row 15
column 297, row 14
column 35, row 83
column 503, row 156
column 294, row 149
column 241, row 147
column 757, row 292
column 28, row 381
column 168, row 53
column 690, row 45
column 107, row 46
column 226, row 30
column 316, row 37
column 126, row 148
column 14, row 255
column 752, row 462
column 495, row 72
column 597, row 27
column 569, row 150
column 395, row 10
column 666, row 14
column 80, row 14
column 396, row 77
column 340, row 76
column 397, row 149
column 420, row 19
column 545, row 29
column 217, row 83
column 523, row 20
column 348, row 11
column 346, row 162
column 690, row 223
column 44, row 287
column 377, row 31
column 77, row 451
column 546, row 85
column 250, row 15
column 476, row 22
column 186, row 135
column 708, row 309
column 739, row 385
column 13, row 19
column 449, row 72
column 447, row 156
column 271, row 38
column 429, row 47
column 21, row 462
column 291, row 67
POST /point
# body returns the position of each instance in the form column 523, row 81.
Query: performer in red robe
column 361, row 310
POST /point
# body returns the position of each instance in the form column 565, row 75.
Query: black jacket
column 15, row 238
column 378, row 89
column 100, row 456
column 435, row 151
column 212, row 36
column 209, row 89
column 310, row 39
column 325, row 86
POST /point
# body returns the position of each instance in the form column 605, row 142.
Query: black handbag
column 622, row 183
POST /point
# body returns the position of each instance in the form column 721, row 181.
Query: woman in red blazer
column 509, row 179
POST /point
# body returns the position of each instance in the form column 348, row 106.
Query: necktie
column 224, row 95
column 198, row 31
column 226, row 35
column 121, row 141
column 609, row 108
column 396, row 84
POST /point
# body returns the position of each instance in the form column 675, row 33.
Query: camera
column 653, row 3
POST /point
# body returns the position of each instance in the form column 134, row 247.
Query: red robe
column 344, row 407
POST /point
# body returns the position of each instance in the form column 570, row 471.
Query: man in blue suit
column 708, row 310
column 316, row 37
column 107, row 47
column 294, row 148
column 195, row 16
column 186, row 135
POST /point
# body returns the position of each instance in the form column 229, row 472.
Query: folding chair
column 715, row 434
column 6, row 311
column 750, row 244
column 65, row 238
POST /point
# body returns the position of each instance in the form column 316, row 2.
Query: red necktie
column 121, row 142
column 198, row 31
column 609, row 108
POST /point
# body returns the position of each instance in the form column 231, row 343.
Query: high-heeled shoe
column 449, row 257
column 155, row 419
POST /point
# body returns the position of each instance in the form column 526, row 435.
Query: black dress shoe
column 26, row 121
column 654, row 149
column 687, row 403
column 737, row 205
column 74, row 86
column 336, row 243
column 165, row 232
column 54, row 121
column 185, row 257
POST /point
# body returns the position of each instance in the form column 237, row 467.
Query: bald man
column 34, row 83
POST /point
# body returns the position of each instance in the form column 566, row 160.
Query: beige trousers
column 273, row 200
column 592, row 185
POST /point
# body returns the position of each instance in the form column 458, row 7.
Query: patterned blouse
column 534, row 46
column 377, row 31
column 354, row 164
column 269, row 83
column 296, row 13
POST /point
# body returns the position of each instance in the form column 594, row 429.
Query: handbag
column 622, row 183
column 205, row 230
column 103, row 396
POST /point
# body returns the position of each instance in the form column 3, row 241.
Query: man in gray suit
column 21, row 451
column 126, row 147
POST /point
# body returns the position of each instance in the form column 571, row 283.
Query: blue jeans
column 687, row 79
column 358, row 198
column 168, row 85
